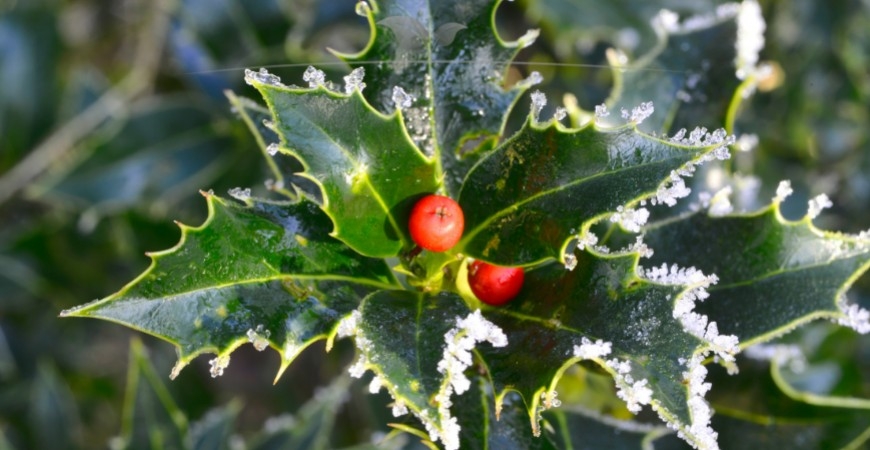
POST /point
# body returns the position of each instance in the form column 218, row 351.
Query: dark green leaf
column 773, row 274
column 369, row 171
column 53, row 414
column 213, row 431
column 450, row 60
column 268, row 273
column 527, row 198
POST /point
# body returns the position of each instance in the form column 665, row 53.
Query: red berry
column 436, row 223
column 495, row 285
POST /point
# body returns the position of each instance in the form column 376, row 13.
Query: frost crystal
column 750, row 38
column 782, row 191
column 570, row 261
column 314, row 77
column 399, row 409
column 675, row 187
column 855, row 317
column 239, row 193
column 635, row 394
column 560, row 113
column 272, row 149
column 533, row 79
column 354, row 81
column 666, row 20
column 601, row 111
column 528, row 38
column 218, row 365
column 587, row 239
column 456, row 358
column 817, row 204
column 349, row 325
column 589, row 350
column 259, row 337
column 376, row 384
column 698, row 325
column 639, row 113
column 263, row 76
column 401, row 99
column 630, row 219
column 539, row 100
column 720, row 204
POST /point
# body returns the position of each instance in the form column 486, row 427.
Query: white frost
column 783, row 191
column 639, row 113
column 750, row 38
column 262, row 76
column 259, row 337
column 354, row 81
column 239, row 193
column 817, row 204
column 401, row 99
column 589, row 350
column 630, row 219
column 218, row 364
column 314, row 77
column 539, row 100
column 854, row 316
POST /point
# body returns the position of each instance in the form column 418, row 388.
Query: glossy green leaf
column 691, row 76
column 773, row 274
column 450, row 59
column 368, row 169
column 151, row 418
column 268, row 273
column 602, row 298
column 543, row 186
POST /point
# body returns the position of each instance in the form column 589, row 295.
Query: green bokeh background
column 112, row 116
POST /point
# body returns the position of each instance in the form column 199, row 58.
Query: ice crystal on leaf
column 817, row 205
column 639, row 113
column 601, row 111
column 262, row 76
column 354, row 81
column 590, row 350
column 218, row 364
column 783, row 190
column 630, row 219
column 239, row 193
column 314, row 77
column 750, row 38
column 854, row 316
column 259, row 337
column 539, row 100
column 401, row 99
column 272, row 149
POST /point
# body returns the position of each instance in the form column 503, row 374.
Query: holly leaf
column 774, row 275
column 697, row 74
column 449, row 58
column 368, row 170
column 262, row 273
column 526, row 199
column 601, row 310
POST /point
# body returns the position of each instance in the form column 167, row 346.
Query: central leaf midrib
column 249, row 281
column 506, row 210
column 786, row 271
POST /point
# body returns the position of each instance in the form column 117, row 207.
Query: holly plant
column 478, row 269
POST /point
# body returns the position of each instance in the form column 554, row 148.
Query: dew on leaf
column 354, row 81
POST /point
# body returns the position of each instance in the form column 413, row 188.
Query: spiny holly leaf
column 601, row 310
column 264, row 273
column 448, row 57
column 526, row 199
column 773, row 274
column 366, row 166
column 692, row 76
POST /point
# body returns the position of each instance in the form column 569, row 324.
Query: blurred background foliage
column 112, row 116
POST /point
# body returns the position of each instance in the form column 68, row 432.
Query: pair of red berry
column 436, row 224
